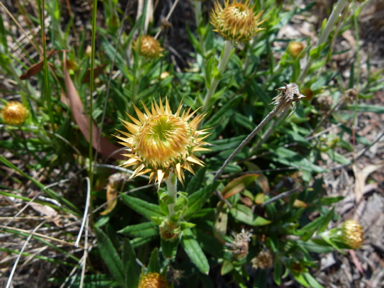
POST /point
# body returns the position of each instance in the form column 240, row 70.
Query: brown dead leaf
column 106, row 148
column 97, row 71
column 33, row 70
column 36, row 68
column 48, row 211
column 361, row 177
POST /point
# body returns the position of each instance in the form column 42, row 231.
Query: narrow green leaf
column 197, row 199
column 169, row 248
column 291, row 158
column 193, row 250
column 226, row 267
column 277, row 271
column 131, row 268
column 142, row 207
column 110, row 256
column 325, row 222
column 196, row 181
column 237, row 185
column 312, row 281
column 367, row 108
column 226, row 111
column 244, row 214
column 154, row 265
column 147, row 229
column 338, row 157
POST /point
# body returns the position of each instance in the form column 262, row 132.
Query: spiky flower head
column 160, row 142
column 263, row 260
column 153, row 280
column 14, row 113
column 353, row 234
column 294, row 49
column 236, row 22
column 289, row 94
column 148, row 47
column 239, row 246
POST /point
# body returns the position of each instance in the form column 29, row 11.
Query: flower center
column 161, row 139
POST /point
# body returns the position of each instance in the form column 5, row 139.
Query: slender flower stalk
column 224, row 59
column 338, row 8
column 289, row 95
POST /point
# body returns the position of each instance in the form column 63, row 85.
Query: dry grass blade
column 106, row 148
column 85, row 217
column 9, row 282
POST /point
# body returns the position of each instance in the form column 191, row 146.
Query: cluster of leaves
column 242, row 100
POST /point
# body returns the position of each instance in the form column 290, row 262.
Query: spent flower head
column 289, row 94
column 153, row 280
column 14, row 113
column 353, row 234
column 236, row 22
column 239, row 246
column 263, row 260
column 148, row 47
column 160, row 142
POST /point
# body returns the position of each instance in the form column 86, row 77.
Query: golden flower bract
column 161, row 142
column 353, row 234
column 236, row 22
column 153, row 280
column 148, row 47
column 14, row 113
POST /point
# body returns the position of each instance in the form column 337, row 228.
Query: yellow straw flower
column 14, row 113
column 353, row 234
column 160, row 142
column 236, row 22
column 149, row 47
column 153, row 280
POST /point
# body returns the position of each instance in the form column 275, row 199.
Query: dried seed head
column 14, row 113
column 149, row 47
column 263, row 260
column 153, row 280
column 236, row 22
column 289, row 94
column 353, row 234
column 294, row 49
column 160, row 142
column 323, row 102
column 239, row 246
column 350, row 95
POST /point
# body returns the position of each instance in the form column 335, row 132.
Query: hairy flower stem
column 279, row 107
column 224, row 58
column 338, row 8
column 172, row 192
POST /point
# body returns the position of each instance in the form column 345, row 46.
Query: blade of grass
column 74, row 210
column 9, row 282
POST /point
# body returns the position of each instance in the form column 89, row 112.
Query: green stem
column 228, row 46
column 91, row 89
column 172, row 192
column 337, row 9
